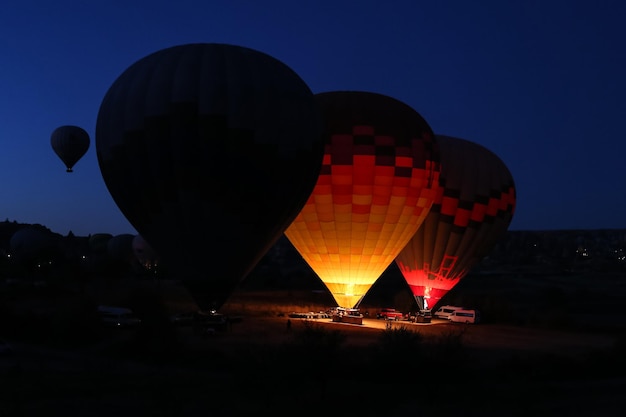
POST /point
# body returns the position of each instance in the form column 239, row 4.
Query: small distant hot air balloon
column 70, row 143
column 210, row 151
column 378, row 181
column 472, row 212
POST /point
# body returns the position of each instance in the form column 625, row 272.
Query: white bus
column 465, row 316
column 444, row 312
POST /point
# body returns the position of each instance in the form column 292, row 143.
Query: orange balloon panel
column 378, row 181
column 472, row 211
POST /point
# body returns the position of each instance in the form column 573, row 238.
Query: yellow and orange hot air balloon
column 377, row 183
column 472, row 211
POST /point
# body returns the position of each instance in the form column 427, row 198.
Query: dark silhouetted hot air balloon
column 144, row 253
column 70, row 143
column 210, row 151
column 98, row 243
column 377, row 183
column 471, row 213
column 33, row 243
column 120, row 247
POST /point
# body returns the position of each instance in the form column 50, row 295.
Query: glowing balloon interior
column 472, row 211
column 378, row 181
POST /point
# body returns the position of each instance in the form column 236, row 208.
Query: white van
column 465, row 316
column 118, row 316
column 444, row 312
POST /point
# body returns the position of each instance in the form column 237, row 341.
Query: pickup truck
column 389, row 314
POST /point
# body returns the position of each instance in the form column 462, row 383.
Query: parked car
column 389, row 314
column 205, row 320
column 444, row 312
column 182, row 319
column 118, row 316
column 465, row 316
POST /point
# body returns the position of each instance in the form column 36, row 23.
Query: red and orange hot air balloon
column 377, row 183
column 472, row 211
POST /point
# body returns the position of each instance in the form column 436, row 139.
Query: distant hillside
column 603, row 249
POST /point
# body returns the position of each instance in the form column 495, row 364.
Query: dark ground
column 551, row 344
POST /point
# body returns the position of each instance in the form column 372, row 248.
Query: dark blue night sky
column 539, row 83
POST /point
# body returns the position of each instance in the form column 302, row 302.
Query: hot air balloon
column 70, row 143
column 120, row 247
column 471, row 213
column 210, row 151
column 33, row 243
column 377, row 183
column 144, row 253
column 34, row 250
column 98, row 243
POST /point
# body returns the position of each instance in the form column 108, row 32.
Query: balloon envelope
column 31, row 243
column 98, row 243
column 144, row 253
column 472, row 211
column 120, row 247
column 209, row 151
column 70, row 143
column 377, row 183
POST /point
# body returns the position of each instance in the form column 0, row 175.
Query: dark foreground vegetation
column 69, row 365
column 65, row 363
